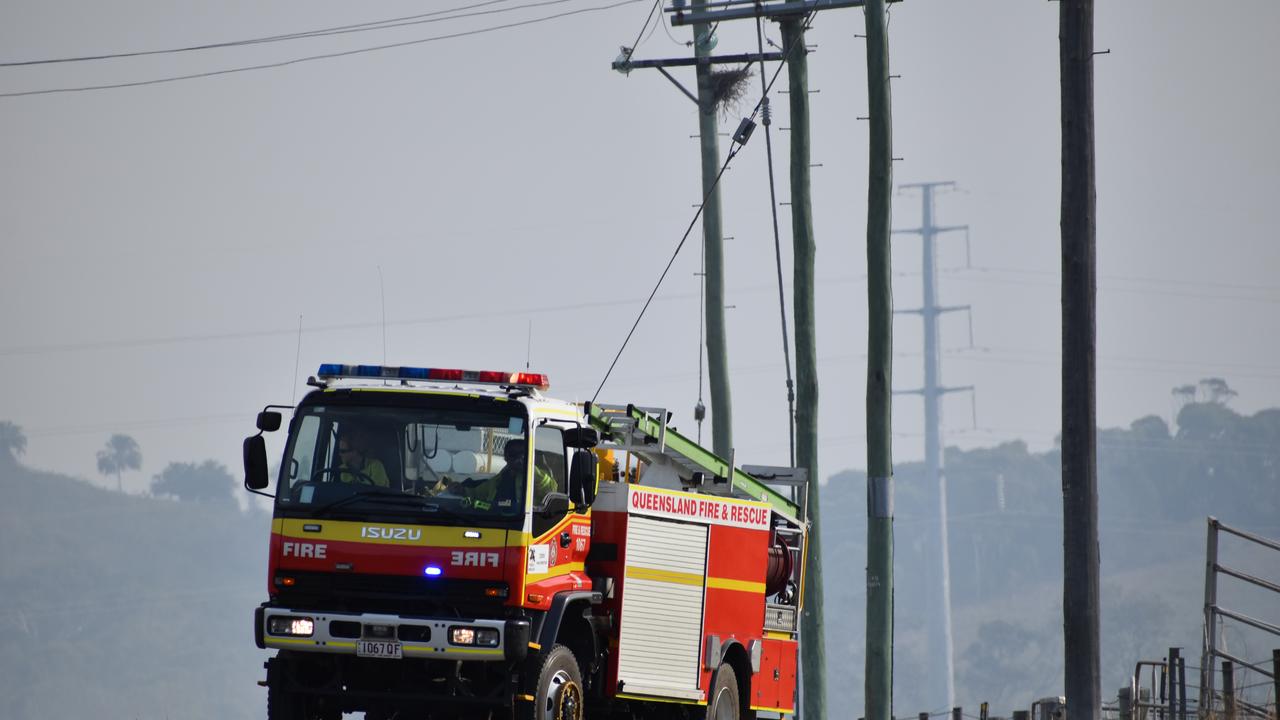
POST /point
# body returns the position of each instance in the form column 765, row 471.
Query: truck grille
column 388, row 593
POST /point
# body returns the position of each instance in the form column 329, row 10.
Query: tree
column 120, row 454
column 12, row 440
column 1217, row 391
column 209, row 482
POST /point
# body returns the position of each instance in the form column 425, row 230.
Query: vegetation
column 145, row 604
column 124, row 606
column 13, row 442
column 207, row 482
column 1156, row 487
column 120, row 454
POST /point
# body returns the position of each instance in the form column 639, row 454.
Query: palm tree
column 120, row 454
column 12, row 440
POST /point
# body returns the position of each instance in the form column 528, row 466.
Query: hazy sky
column 160, row 243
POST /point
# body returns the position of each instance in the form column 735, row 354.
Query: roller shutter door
column 660, row 636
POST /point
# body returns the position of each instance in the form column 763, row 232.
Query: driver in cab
column 354, row 464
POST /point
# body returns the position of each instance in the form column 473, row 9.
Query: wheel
column 724, row 704
column 556, row 686
column 285, row 705
column 282, row 704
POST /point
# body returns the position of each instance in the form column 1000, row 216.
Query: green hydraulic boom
column 644, row 432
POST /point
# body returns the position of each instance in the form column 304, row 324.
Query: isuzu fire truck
column 604, row 565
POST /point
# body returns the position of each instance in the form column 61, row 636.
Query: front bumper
column 419, row 637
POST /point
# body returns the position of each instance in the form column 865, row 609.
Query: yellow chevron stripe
column 289, row 641
column 666, row 576
column 742, row 585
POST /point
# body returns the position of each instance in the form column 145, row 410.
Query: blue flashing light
column 443, row 375
column 432, row 571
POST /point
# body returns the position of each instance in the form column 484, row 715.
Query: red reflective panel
column 440, row 374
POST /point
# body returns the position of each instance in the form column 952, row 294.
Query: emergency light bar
column 483, row 377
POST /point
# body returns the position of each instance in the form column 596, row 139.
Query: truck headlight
column 480, row 637
column 285, row 625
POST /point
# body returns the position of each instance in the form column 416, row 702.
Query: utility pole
column 878, row 679
column 941, row 644
column 1079, row 412
column 813, row 655
column 793, row 16
column 712, row 227
column 713, row 246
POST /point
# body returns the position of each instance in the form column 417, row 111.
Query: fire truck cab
column 453, row 543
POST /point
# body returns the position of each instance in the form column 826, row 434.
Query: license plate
column 379, row 649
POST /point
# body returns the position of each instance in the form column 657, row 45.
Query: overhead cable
column 733, row 152
column 388, row 23
column 325, row 56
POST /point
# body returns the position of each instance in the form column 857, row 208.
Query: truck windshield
column 453, row 465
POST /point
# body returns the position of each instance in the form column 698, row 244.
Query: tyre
column 283, row 704
column 556, row 686
column 724, row 703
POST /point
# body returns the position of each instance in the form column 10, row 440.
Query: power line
column 777, row 249
column 1121, row 278
column 321, row 32
column 325, row 56
column 645, row 26
column 959, row 274
column 735, row 147
column 335, row 327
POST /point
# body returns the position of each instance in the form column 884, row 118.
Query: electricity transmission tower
column 941, row 647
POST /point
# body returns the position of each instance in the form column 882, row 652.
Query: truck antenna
column 528, row 345
column 297, row 359
column 382, row 293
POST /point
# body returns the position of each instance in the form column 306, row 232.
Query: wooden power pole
column 813, row 696
column 878, row 681
column 1079, row 418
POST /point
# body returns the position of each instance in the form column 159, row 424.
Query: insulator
column 766, row 113
column 699, row 412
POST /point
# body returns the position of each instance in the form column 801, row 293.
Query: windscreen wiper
column 394, row 498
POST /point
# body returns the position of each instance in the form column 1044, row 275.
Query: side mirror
column 268, row 421
column 581, row 437
column 255, row 461
column 582, row 478
column 553, row 504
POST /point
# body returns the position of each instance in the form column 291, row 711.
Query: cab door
column 560, row 542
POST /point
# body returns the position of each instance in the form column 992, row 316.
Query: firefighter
column 354, row 463
column 501, row 489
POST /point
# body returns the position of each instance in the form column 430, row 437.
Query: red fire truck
column 453, row 543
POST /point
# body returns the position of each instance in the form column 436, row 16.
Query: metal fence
column 1231, row 704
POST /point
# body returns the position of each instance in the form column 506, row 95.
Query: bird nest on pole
column 728, row 87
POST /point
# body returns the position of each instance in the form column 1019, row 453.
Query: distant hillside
column 127, row 607
column 119, row 606
column 1005, row 515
